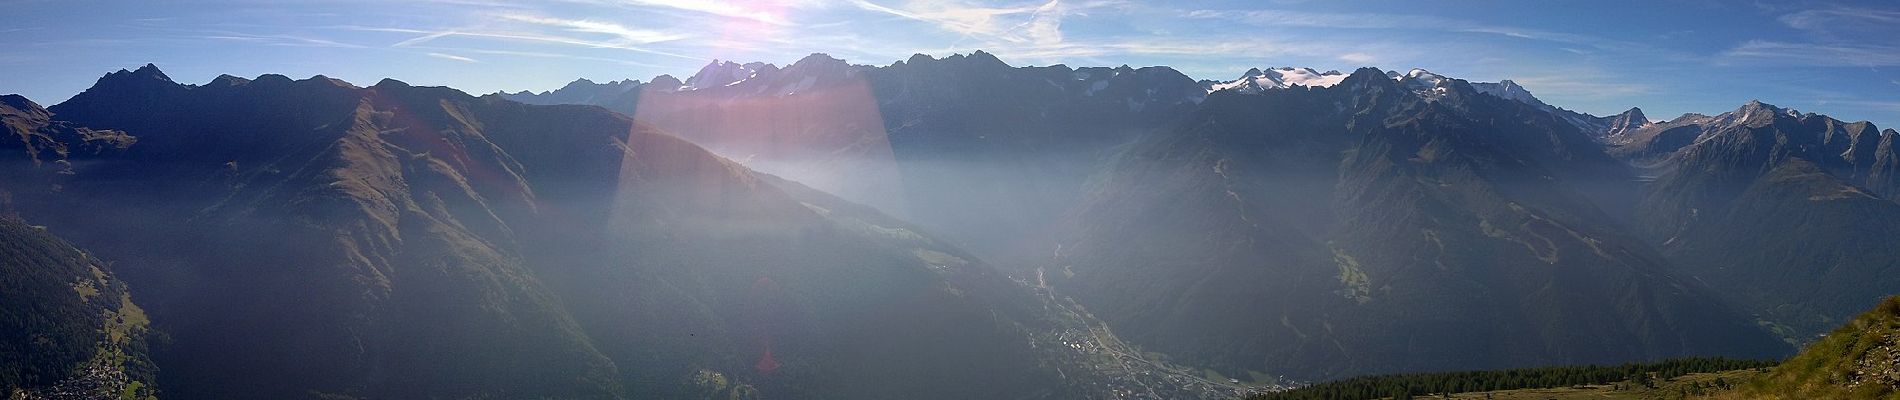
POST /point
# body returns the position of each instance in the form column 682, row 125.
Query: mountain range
column 315, row 239
column 935, row 228
column 1288, row 166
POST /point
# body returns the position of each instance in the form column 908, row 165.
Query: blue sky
column 1669, row 57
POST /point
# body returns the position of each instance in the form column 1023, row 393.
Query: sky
column 1667, row 56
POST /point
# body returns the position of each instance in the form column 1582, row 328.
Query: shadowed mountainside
column 399, row 241
column 1381, row 226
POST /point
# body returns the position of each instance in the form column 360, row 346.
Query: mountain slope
column 1790, row 214
column 1365, row 228
column 405, row 241
column 304, row 220
column 69, row 328
column 983, row 152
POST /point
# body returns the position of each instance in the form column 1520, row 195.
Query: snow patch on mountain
column 1257, row 80
column 723, row 73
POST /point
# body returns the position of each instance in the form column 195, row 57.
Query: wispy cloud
column 1305, row 19
column 421, row 39
column 619, row 33
column 1833, row 36
column 1837, row 19
column 537, row 54
column 1325, row 20
column 1813, row 54
column 1029, row 23
column 15, row 59
column 280, row 40
column 1359, row 58
column 718, row 7
column 452, row 57
column 428, row 36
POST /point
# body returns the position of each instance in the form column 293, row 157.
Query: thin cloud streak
column 533, row 54
column 1812, row 54
column 981, row 22
column 623, row 34
column 429, row 36
column 281, row 40
column 717, row 7
column 452, row 57
column 1286, row 18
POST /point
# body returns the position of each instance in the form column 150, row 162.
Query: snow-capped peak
column 1423, row 82
column 1506, row 89
column 1257, row 80
column 1426, row 77
column 723, row 73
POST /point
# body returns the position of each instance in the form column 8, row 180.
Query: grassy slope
column 1858, row 361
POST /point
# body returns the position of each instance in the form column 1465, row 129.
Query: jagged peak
column 1367, row 74
column 1626, row 121
column 1634, row 114
column 1509, row 90
column 1755, row 109
column 151, row 70
column 1757, row 104
column 979, row 58
column 141, row 77
column 721, row 73
column 1689, row 117
column 986, row 57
